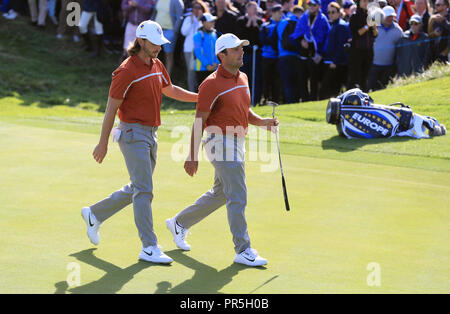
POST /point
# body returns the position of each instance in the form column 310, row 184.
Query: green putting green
column 345, row 216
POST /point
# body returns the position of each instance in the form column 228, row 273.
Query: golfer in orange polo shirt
column 223, row 110
column 136, row 93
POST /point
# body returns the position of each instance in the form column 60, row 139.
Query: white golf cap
column 229, row 41
column 208, row 17
column 389, row 11
column 151, row 31
column 415, row 18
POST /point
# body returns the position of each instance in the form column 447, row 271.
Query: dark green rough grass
column 41, row 69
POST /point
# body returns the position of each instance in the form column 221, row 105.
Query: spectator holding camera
column 361, row 49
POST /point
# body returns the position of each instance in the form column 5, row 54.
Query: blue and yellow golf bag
column 356, row 116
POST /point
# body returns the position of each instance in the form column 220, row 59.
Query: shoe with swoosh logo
column 179, row 234
column 154, row 254
column 92, row 225
column 250, row 257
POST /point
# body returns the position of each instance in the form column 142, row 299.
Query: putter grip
column 286, row 201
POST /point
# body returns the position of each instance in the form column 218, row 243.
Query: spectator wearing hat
column 135, row 12
column 349, row 9
column 439, row 31
column 169, row 14
column 413, row 53
column 382, row 3
column 311, row 34
column 389, row 34
column 204, row 44
column 361, row 49
column 423, row 10
column 190, row 26
column 226, row 18
column 269, row 42
column 298, row 11
column 248, row 27
column 336, row 56
column 404, row 10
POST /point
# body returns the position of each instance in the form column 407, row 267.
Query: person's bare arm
column 108, row 122
column 179, row 93
column 191, row 163
column 267, row 123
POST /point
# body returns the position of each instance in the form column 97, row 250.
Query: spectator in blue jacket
column 269, row 42
column 286, row 7
column 288, row 60
column 336, row 56
column 311, row 34
column 204, row 48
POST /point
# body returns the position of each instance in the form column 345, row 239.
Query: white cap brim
column 243, row 42
column 160, row 41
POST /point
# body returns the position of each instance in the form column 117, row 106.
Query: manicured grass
column 353, row 202
column 344, row 216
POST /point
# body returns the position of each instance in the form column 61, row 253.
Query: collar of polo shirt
column 138, row 61
column 223, row 72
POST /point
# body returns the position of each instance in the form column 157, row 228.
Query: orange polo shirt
column 227, row 98
column 140, row 86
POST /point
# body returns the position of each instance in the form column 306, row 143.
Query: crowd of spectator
column 299, row 50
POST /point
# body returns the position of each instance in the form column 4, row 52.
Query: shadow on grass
column 342, row 144
column 112, row 282
column 206, row 279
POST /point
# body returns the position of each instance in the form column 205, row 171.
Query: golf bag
column 356, row 116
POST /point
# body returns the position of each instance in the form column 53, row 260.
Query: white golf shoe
column 154, row 254
column 250, row 257
column 92, row 225
column 179, row 234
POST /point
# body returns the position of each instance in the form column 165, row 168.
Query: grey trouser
column 139, row 145
column 38, row 16
column 230, row 189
